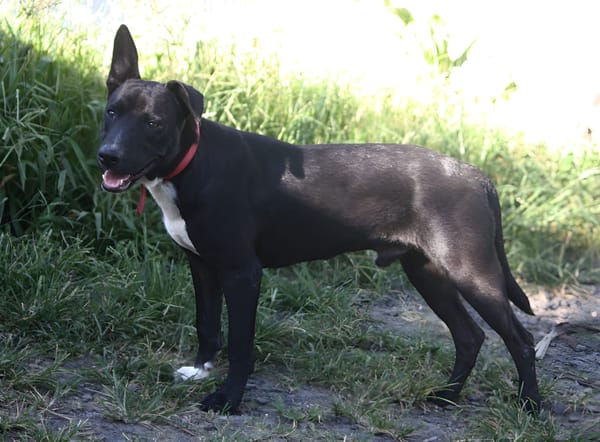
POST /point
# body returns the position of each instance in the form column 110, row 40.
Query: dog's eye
column 153, row 124
column 111, row 113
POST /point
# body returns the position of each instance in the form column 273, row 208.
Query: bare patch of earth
column 569, row 318
column 571, row 363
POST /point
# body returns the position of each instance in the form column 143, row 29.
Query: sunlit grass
column 52, row 96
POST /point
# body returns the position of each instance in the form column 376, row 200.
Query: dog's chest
column 165, row 195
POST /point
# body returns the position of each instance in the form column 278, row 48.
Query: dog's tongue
column 114, row 181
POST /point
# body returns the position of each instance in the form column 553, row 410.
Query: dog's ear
column 124, row 60
column 190, row 98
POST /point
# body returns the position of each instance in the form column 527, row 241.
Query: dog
column 237, row 202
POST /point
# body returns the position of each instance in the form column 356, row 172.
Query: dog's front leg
column 209, row 303
column 241, row 287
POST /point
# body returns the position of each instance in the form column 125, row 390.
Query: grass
column 508, row 421
column 52, row 97
column 117, row 339
column 97, row 308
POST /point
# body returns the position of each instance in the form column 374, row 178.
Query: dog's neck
column 185, row 161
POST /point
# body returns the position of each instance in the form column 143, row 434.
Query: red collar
column 185, row 161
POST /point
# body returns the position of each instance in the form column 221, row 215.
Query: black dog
column 237, row 202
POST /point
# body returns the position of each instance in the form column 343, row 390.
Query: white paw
column 194, row 373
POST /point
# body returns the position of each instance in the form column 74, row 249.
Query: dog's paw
column 219, row 403
column 193, row 373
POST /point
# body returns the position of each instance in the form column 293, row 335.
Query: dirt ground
column 570, row 317
column 567, row 318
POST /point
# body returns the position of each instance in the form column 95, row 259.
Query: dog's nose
column 108, row 158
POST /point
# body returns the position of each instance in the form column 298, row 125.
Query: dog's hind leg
column 443, row 298
column 483, row 285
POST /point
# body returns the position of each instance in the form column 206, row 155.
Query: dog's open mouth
column 114, row 182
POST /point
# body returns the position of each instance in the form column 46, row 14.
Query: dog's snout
column 107, row 157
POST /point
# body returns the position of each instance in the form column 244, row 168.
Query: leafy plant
column 435, row 49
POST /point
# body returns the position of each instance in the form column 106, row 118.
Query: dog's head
column 147, row 125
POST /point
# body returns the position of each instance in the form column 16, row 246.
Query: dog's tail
column 515, row 292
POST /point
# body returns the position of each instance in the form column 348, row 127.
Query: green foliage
column 505, row 420
column 439, row 55
column 404, row 15
column 51, row 97
column 435, row 49
column 45, row 278
column 49, row 104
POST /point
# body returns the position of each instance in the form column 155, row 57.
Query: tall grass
column 49, row 104
column 52, row 94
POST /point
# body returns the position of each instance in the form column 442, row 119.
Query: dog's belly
column 164, row 194
column 301, row 239
column 303, row 223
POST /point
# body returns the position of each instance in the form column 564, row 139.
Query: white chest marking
column 164, row 194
